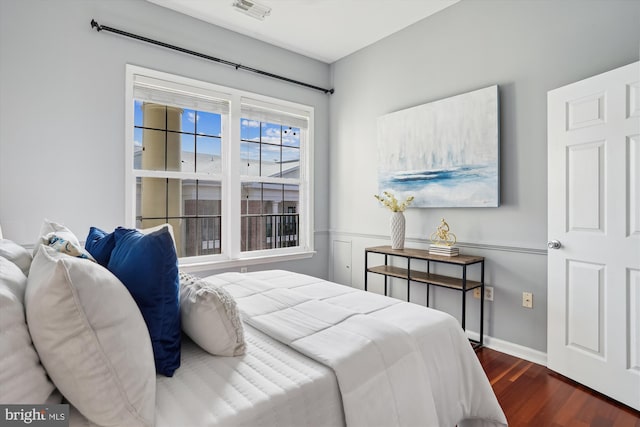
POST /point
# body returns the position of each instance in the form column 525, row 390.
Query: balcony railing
column 202, row 235
column 269, row 231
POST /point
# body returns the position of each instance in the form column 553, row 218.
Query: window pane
column 269, row 216
column 188, row 153
column 249, row 130
column 209, row 155
column 271, row 133
column 137, row 112
column 188, row 124
column 137, row 148
column 153, row 154
column 208, row 124
column 272, row 196
column 270, row 164
column 251, row 202
column 160, row 150
column 202, row 236
column 250, row 158
column 202, row 210
column 151, row 200
column 176, row 148
column 291, row 136
column 290, row 162
column 272, row 147
column 192, row 207
column 174, row 118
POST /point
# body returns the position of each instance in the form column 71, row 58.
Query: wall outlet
column 527, row 299
column 488, row 293
column 243, row 269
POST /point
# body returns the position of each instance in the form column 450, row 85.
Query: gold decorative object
column 442, row 236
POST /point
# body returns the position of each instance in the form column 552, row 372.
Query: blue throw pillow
column 148, row 266
column 100, row 244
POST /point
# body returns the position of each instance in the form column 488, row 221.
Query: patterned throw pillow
column 60, row 238
column 66, row 247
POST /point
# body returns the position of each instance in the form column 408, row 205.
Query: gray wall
column 62, row 122
column 527, row 48
column 62, row 88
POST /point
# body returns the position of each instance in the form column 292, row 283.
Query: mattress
column 270, row 385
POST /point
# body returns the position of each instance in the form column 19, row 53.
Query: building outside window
column 269, row 218
column 229, row 170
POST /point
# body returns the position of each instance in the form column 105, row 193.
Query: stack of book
column 444, row 250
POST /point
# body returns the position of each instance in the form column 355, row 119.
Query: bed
column 314, row 353
column 281, row 381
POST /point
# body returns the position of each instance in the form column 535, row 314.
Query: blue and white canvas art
column 444, row 153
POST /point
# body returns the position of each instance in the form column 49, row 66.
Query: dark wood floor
column 532, row 395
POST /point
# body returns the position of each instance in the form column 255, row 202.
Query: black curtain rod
column 99, row 28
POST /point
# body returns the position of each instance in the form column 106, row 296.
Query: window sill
column 196, row 267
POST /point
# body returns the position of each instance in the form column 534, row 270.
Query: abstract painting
column 444, row 153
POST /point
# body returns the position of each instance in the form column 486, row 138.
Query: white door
column 593, row 325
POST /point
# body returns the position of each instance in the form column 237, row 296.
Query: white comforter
column 271, row 385
column 397, row 364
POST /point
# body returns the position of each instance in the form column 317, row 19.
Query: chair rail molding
column 472, row 245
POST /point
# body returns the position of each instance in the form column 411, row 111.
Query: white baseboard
column 511, row 349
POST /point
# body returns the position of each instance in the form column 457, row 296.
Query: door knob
column 554, row 244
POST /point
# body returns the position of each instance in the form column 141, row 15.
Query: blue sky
column 209, row 130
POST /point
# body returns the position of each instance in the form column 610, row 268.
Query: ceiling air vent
column 251, row 8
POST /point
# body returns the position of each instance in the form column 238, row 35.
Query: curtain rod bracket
column 98, row 27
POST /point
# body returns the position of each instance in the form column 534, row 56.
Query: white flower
column 390, row 201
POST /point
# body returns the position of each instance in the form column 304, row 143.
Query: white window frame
column 231, row 254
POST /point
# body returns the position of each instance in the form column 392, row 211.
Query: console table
column 462, row 284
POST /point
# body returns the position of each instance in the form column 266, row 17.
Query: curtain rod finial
column 95, row 25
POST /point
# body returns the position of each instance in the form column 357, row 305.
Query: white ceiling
column 326, row 30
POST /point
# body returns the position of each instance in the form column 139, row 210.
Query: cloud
column 250, row 123
column 291, row 140
column 267, row 149
column 272, row 132
column 191, row 117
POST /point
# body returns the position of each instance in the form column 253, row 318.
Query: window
column 228, row 169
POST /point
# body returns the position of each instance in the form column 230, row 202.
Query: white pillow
column 210, row 317
column 16, row 254
column 22, row 377
column 91, row 338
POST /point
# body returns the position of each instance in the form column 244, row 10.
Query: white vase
column 397, row 230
